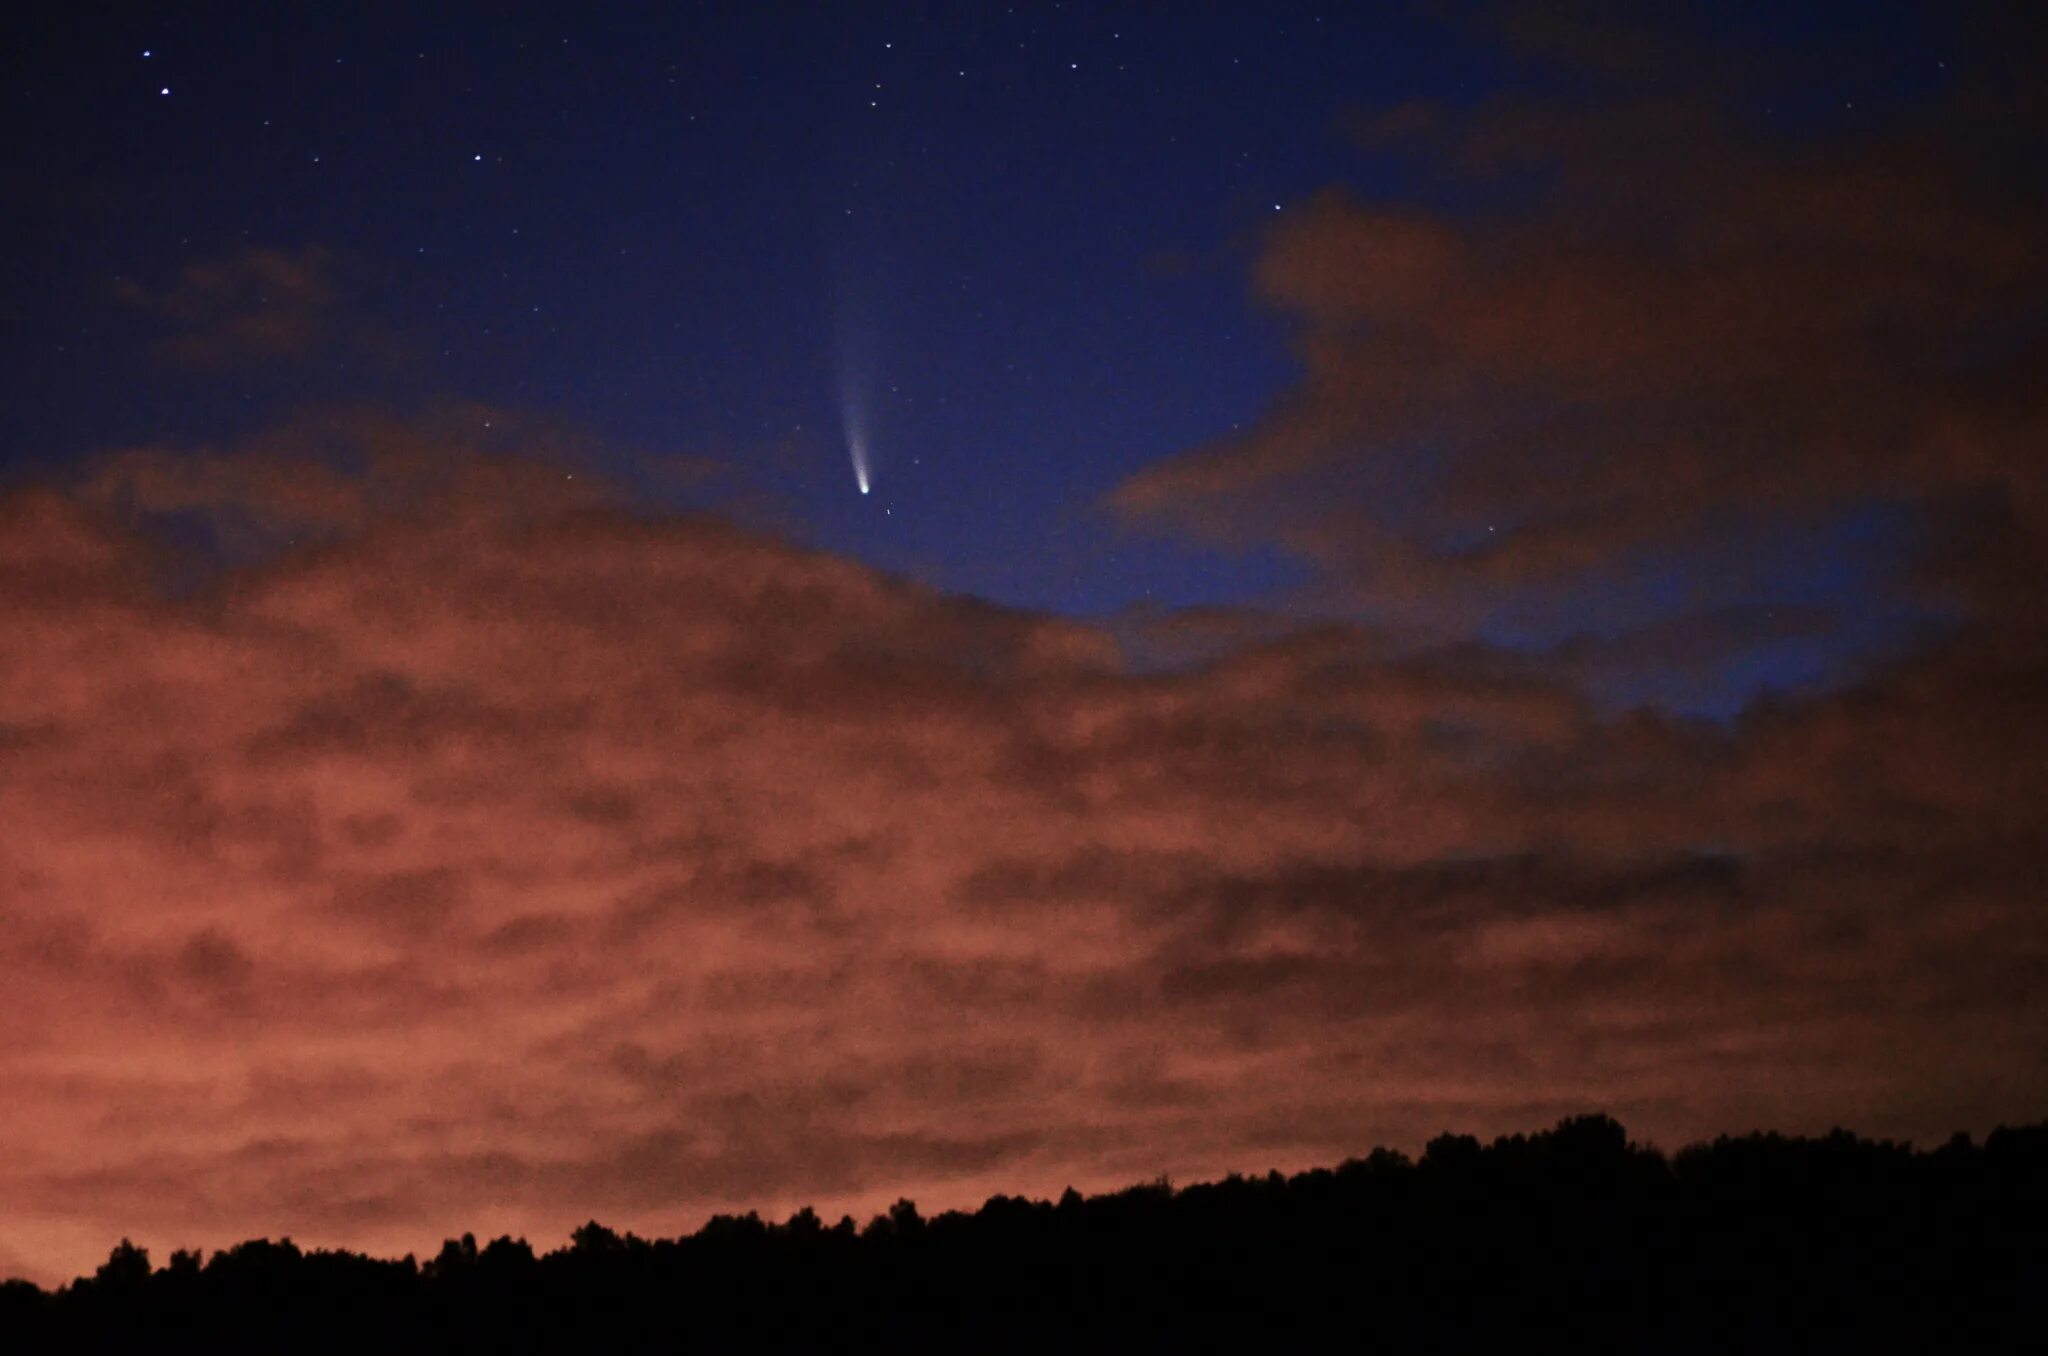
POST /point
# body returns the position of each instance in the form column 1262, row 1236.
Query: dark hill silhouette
column 1572, row 1239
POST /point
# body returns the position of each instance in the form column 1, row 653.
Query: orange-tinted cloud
column 1659, row 325
column 258, row 305
column 463, row 851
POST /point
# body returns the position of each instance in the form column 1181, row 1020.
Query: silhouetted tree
column 594, row 1240
column 456, row 1259
column 126, row 1268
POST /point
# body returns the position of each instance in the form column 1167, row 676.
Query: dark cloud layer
column 471, row 852
column 1693, row 359
column 259, row 306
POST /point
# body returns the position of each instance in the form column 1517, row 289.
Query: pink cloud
column 497, row 858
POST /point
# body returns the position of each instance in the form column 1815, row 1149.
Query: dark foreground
column 1569, row 1236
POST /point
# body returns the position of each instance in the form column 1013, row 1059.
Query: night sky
column 724, row 607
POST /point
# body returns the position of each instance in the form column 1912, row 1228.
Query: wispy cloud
column 1636, row 344
column 261, row 305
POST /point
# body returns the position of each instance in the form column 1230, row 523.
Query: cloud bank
column 1662, row 365
column 404, row 837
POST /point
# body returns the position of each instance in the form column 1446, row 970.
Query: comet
column 857, row 448
column 854, row 357
column 853, row 419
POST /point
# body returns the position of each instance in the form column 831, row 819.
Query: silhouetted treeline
column 1569, row 1236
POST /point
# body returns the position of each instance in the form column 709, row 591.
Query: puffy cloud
column 1641, row 344
column 444, row 845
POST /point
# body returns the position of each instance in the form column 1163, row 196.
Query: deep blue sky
column 1028, row 229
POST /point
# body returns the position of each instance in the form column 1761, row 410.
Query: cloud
column 1660, row 338
column 258, row 305
column 467, row 849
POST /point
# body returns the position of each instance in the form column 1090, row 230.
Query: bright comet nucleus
column 856, row 446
